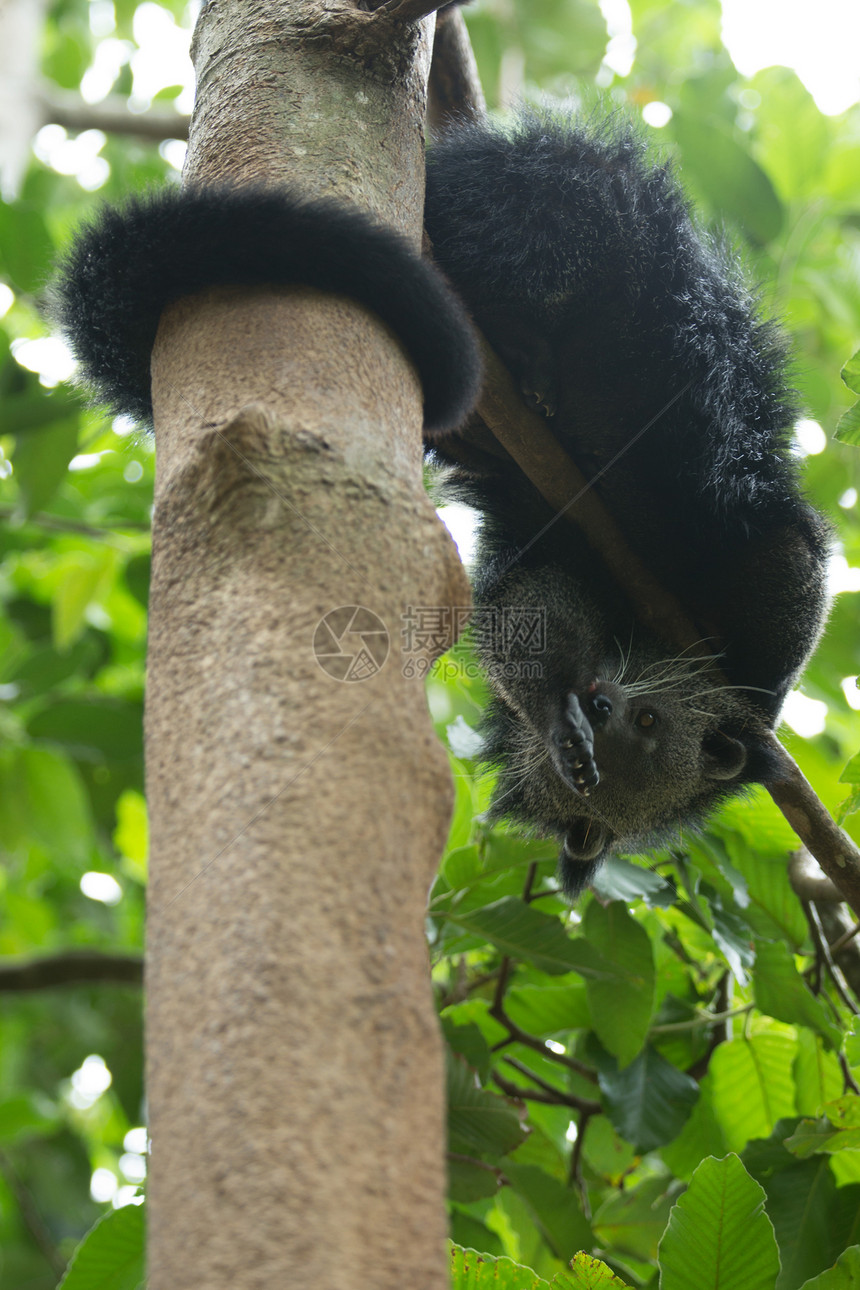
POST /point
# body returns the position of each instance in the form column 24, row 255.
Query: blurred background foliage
column 593, row 1065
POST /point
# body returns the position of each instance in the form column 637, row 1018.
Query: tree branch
column 455, row 87
column 555, row 1097
column 840, row 985
column 75, row 967
column 59, row 524
column 584, row 1104
column 112, row 116
column 408, row 10
column 807, row 879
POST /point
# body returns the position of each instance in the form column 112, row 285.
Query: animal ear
column 723, row 757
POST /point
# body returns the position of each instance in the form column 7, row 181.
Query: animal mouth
column 586, row 839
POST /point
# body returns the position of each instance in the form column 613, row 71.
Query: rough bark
column 294, row 1067
column 455, row 87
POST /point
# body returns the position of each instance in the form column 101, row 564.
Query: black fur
column 130, row 263
column 579, row 259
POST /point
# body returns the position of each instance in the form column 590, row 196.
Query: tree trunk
column 294, row 1068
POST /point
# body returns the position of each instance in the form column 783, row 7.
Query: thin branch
column 501, row 987
column 518, row 1036
column 844, row 939
column 464, row 988
column 407, row 10
column 540, row 456
column 847, row 1078
column 556, row 1098
column 515, row 1035
column 839, row 983
column 58, row 524
column 458, row 1158
column 455, row 91
column 701, row 1019
column 575, row 1178
column 569, row 1099
column 807, row 879
column 112, row 116
column 75, row 967
column 818, row 831
column 549, row 891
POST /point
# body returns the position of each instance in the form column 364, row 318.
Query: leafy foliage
column 629, row 1083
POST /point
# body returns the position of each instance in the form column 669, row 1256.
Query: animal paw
column 573, row 751
column 542, row 402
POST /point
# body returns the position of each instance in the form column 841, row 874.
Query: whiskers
column 675, row 675
column 532, row 754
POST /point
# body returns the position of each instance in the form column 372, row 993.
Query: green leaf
column 728, row 176
column 43, row 668
column 137, row 574
column 549, row 1009
column 801, row 1203
column 85, row 581
column 26, row 1115
column 473, row 1271
column 849, row 806
column 781, row 992
column 468, row 1041
column 131, row 835
column 92, row 729
column 26, row 249
column 752, row 1086
column 111, row 1255
column 732, row 936
column 851, row 372
column 844, row 1275
column 471, row 1234
column 719, row 1236
column 522, row 932
column 852, row 1046
column 620, row 879
column 510, row 851
column 41, row 460
column 836, row 1129
column 36, row 408
column 44, row 801
column 462, row 867
column 622, row 1008
column 554, row 1208
column 479, row 1120
column 649, row 1101
column 817, row 1074
column 465, row 806
column 469, row 1181
column 851, row 773
column 631, row 1222
column 848, row 426
column 587, row 1273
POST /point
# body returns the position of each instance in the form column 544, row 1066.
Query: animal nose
column 601, row 710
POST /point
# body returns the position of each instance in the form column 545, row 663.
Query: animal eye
column 645, row 719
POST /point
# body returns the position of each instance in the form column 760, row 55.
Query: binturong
column 633, row 331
